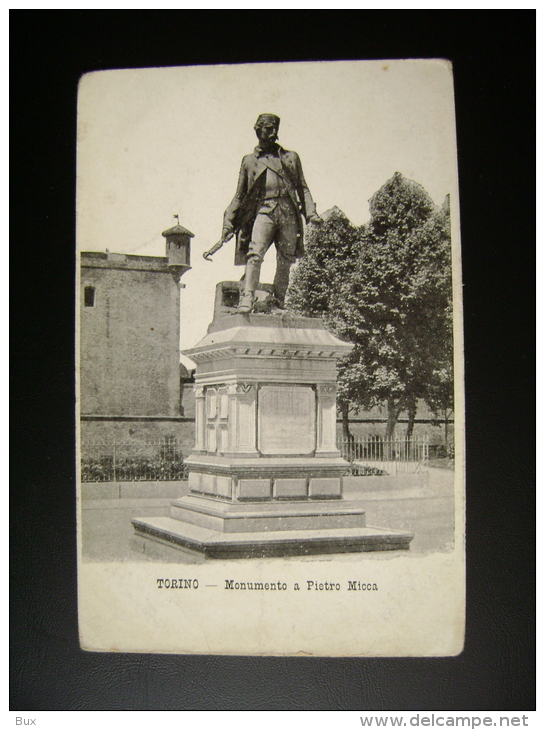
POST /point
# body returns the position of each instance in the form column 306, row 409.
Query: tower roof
column 178, row 229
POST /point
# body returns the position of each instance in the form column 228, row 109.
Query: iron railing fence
column 373, row 454
column 116, row 461
column 123, row 461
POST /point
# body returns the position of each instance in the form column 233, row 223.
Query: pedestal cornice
column 266, row 336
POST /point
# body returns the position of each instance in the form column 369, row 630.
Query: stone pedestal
column 265, row 476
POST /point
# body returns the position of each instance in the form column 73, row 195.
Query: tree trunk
column 447, row 416
column 347, row 436
column 394, row 409
column 411, row 412
column 411, row 408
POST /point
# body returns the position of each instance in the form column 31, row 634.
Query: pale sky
column 155, row 142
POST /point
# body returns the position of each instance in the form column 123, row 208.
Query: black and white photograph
column 270, row 372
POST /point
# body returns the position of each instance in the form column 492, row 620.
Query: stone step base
column 267, row 517
column 213, row 544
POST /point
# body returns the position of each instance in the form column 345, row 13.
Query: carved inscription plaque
column 287, row 419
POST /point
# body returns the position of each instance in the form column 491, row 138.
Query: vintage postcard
column 270, row 360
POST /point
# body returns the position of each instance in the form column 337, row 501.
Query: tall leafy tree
column 392, row 300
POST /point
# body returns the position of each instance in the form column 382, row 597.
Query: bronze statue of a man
column 270, row 197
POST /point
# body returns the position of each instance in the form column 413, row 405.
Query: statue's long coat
column 242, row 211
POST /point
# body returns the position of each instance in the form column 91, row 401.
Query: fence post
column 115, row 474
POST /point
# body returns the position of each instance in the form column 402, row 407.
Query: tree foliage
column 330, row 256
column 386, row 287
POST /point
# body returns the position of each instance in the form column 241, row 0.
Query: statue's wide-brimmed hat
column 263, row 118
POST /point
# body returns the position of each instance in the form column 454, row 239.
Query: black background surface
column 493, row 54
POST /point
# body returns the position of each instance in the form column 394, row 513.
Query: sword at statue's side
column 216, row 247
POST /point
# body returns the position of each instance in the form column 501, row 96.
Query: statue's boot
column 251, row 280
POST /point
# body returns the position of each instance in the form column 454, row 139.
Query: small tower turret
column 178, row 246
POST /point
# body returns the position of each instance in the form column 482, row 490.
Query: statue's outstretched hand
column 316, row 219
column 225, row 236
